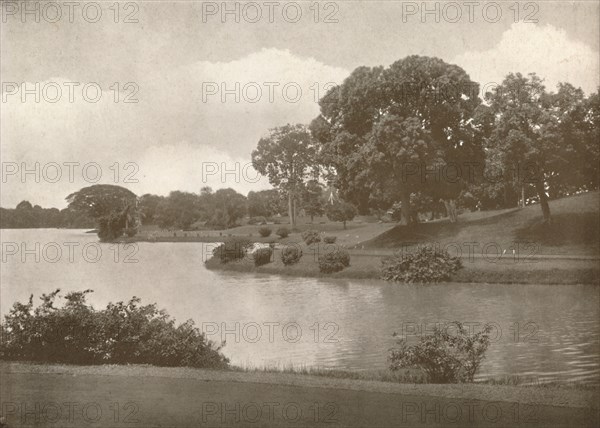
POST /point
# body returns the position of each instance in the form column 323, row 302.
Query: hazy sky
column 179, row 56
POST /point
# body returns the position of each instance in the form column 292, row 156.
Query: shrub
column 334, row 261
column 291, row 255
column 442, row 356
column 426, row 264
column 311, row 236
column 257, row 220
column 123, row 333
column 264, row 231
column 232, row 249
column 131, row 231
column 283, row 232
column 330, row 239
column 262, row 256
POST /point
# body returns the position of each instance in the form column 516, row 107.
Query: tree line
column 388, row 137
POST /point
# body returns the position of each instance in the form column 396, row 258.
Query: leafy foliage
column 291, row 255
column 262, row 256
column 283, row 232
column 444, row 356
column 123, row 333
column 330, row 239
column 311, row 236
column 424, row 265
column 232, row 249
column 334, row 261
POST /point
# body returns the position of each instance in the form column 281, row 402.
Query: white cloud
column 545, row 50
column 170, row 132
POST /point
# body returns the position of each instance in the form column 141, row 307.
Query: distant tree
column 229, row 207
column 287, row 156
column 178, row 210
column 112, row 207
column 148, row 205
column 341, row 211
column 24, row 205
column 264, row 203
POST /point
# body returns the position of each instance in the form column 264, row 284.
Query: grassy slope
column 573, row 232
column 574, row 229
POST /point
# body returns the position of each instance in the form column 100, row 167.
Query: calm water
column 547, row 332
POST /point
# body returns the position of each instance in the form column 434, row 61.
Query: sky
column 161, row 96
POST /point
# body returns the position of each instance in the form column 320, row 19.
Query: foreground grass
column 183, row 397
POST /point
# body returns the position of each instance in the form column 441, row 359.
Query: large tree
column 389, row 128
column 114, row 208
column 527, row 134
column 288, row 156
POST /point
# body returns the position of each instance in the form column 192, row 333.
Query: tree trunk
column 405, row 212
column 450, row 209
column 522, row 196
column 539, row 186
column 291, row 209
column 344, row 224
column 295, row 212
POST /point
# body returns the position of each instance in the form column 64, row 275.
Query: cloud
column 177, row 125
column 527, row 48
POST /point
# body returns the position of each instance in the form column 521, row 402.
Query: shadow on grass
column 427, row 232
column 564, row 229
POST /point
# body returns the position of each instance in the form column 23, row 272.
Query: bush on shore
column 334, row 261
column 445, row 356
column 262, row 256
column 291, row 255
column 283, row 232
column 232, row 249
column 123, row 333
column 426, row 264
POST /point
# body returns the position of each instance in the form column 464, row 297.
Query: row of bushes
column 425, row 265
column 123, row 333
column 282, row 232
column 308, row 236
column 236, row 249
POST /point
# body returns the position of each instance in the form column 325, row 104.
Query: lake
column 539, row 331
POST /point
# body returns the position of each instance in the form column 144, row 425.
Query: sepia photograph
column 311, row 213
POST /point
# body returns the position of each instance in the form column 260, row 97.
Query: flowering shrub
column 123, row 333
column 264, row 231
column 444, row 357
column 291, row 255
column 262, row 256
column 424, row 265
column 283, row 232
column 232, row 249
column 334, row 261
column 311, row 237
